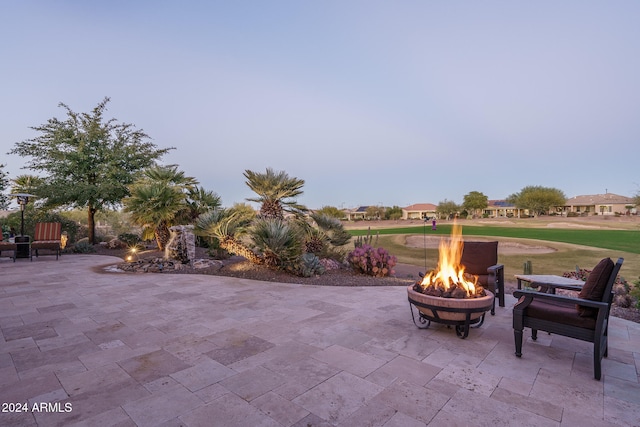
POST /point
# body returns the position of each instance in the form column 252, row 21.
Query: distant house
column 600, row 204
column 419, row 211
column 501, row 209
column 355, row 214
column 4, row 214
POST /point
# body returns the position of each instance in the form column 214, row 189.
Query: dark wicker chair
column 585, row 317
column 8, row 247
column 481, row 259
column 47, row 236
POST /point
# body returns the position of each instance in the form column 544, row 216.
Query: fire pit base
column 461, row 313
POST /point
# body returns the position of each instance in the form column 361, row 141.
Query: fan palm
column 154, row 206
column 26, row 184
column 276, row 192
column 158, row 199
column 200, row 201
column 171, row 175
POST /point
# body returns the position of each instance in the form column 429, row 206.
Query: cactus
column 372, row 261
column 366, row 240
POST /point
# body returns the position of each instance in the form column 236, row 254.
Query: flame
column 450, row 273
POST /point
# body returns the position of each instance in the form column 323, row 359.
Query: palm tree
column 171, row 175
column 276, row 192
column 154, row 206
column 228, row 226
column 26, row 184
column 200, row 201
column 159, row 199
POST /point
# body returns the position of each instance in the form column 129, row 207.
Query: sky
column 369, row 102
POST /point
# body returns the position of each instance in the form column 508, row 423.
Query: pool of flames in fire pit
column 449, row 279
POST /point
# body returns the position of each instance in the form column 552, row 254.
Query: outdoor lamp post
column 23, row 199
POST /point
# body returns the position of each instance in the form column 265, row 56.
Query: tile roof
column 421, row 207
column 598, row 199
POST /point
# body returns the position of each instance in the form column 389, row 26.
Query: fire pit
column 448, row 295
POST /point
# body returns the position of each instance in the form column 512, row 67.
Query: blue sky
column 370, row 102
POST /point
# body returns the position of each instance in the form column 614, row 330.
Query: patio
column 152, row 349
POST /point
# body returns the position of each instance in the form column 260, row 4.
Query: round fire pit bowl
column 461, row 313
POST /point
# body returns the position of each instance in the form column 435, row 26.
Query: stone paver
column 91, row 348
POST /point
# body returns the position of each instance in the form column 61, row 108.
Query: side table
column 549, row 282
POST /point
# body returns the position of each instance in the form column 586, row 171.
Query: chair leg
column 534, row 334
column 517, row 334
column 597, row 365
column 500, row 288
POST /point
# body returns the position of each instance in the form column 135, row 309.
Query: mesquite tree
column 88, row 162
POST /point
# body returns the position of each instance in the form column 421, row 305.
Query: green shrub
column 33, row 216
column 635, row 293
column 83, row 247
column 130, row 239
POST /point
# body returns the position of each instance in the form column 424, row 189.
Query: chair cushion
column 478, row 256
column 558, row 312
column 7, row 246
column 47, row 231
column 594, row 287
column 46, row 244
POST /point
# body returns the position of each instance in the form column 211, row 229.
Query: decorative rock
column 182, row 244
column 152, row 265
column 206, row 263
column 116, row 244
column 159, row 265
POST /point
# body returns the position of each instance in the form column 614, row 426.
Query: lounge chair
column 6, row 246
column 47, row 236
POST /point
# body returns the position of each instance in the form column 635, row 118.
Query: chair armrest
column 495, row 268
column 531, row 295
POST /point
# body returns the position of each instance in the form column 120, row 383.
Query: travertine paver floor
column 100, row 349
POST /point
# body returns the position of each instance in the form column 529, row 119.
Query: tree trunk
column 91, row 225
column 236, row 247
column 162, row 234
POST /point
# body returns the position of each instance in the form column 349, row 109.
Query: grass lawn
column 573, row 247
